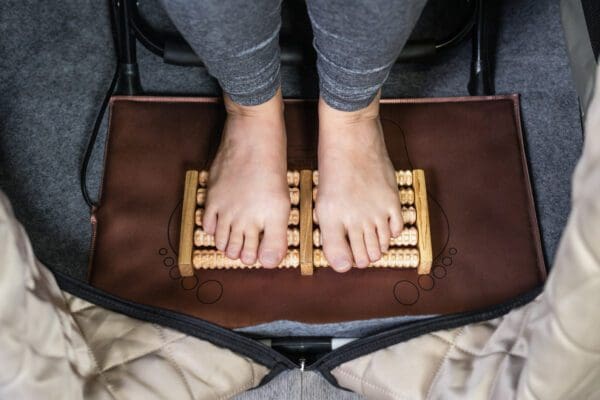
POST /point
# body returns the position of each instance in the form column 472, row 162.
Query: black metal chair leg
column 481, row 81
column 125, row 42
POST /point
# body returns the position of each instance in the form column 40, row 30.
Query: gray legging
column 357, row 42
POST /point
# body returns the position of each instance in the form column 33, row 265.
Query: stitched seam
column 461, row 349
column 524, row 323
column 101, row 374
column 130, row 360
column 172, row 361
column 435, row 376
column 363, row 382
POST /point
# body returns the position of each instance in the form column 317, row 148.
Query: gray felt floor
column 56, row 59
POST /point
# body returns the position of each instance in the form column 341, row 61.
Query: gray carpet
column 56, row 59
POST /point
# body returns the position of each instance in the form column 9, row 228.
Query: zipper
column 267, row 356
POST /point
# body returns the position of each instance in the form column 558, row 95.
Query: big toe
column 273, row 245
column 335, row 246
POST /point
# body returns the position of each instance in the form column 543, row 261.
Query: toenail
column 270, row 257
column 344, row 264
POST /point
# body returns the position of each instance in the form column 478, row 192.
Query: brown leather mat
column 484, row 229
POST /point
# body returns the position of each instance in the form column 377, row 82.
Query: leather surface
column 484, row 229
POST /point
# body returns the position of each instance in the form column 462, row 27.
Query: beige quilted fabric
column 56, row 346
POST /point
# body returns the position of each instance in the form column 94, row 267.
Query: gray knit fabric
column 356, row 41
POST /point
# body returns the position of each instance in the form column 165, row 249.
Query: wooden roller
column 293, row 220
column 203, row 239
column 215, row 259
column 293, row 178
column 408, row 237
column 395, row 258
column 407, row 196
column 403, row 178
column 201, row 196
column 409, row 216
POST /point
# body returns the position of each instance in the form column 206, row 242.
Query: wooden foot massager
column 411, row 249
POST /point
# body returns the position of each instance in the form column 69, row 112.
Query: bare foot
column 357, row 201
column 248, row 203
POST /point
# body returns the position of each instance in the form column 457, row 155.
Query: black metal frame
column 130, row 26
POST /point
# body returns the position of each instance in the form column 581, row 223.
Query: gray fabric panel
column 298, row 385
column 351, row 329
column 579, row 46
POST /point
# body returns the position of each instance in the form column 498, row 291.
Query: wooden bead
column 404, row 178
column 407, row 196
column 215, row 259
column 198, row 216
column 293, row 237
column 408, row 237
column 315, row 219
column 319, row 259
column 200, row 196
column 203, row 178
column 294, row 196
column 203, row 239
column 314, row 194
column 317, row 238
column 294, row 218
column 293, row 178
column 316, row 178
column 409, row 215
column 396, row 258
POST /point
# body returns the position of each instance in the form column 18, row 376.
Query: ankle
column 270, row 108
column 330, row 115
